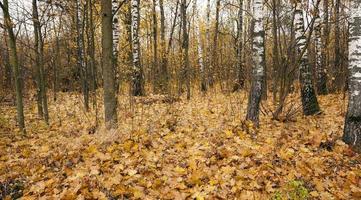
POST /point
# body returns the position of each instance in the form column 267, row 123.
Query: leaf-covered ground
column 182, row 150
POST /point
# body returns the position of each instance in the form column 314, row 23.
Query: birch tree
column 116, row 35
column 110, row 100
column 322, row 67
column 258, row 72
column 137, row 75
column 321, row 83
column 352, row 130
column 308, row 95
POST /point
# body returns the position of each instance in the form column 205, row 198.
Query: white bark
column 309, row 99
column 137, row 77
column 115, row 27
column 258, row 54
column 352, row 134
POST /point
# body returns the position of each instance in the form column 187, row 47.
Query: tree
column 214, row 60
column 240, row 74
column 258, row 72
column 308, row 95
column 137, row 75
column 185, row 49
column 14, row 62
column 199, row 47
column 322, row 64
column 39, row 65
column 352, row 130
column 116, row 35
column 110, row 99
column 164, row 65
column 337, row 67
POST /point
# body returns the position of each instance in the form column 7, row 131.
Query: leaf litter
column 198, row 149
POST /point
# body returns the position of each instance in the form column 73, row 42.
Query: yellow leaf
column 180, row 170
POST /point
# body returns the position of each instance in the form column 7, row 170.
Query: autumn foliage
column 178, row 149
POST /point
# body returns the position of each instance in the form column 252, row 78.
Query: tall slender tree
column 39, row 52
column 308, row 95
column 240, row 74
column 323, row 63
column 137, row 75
column 185, row 49
column 110, row 99
column 352, row 131
column 258, row 72
column 14, row 62
column 199, row 47
column 163, row 63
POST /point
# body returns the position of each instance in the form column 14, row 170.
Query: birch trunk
column 258, row 72
column 199, row 47
column 352, row 131
column 110, row 100
column 116, row 35
column 322, row 65
column 137, row 76
column 308, row 95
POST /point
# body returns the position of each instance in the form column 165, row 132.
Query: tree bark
column 258, row 72
column 185, row 49
column 308, row 95
column 164, row 77
column 352, row 130
column 322, row 66
column 137, row 76
column 15, row 66
column 110, row 99
column 80, row 54
column 199, row 48
column 240, row 74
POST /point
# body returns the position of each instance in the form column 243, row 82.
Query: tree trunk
column 276, row 63
column 37, row 59
column 164, row 77
column 337, row 68
column 155, row 68
column 214, row 63
column 185, row 49
column 258, row 72
column 352, row 131
column 308, row 95
column 137, row 76
column 240, row 75
column 208, row 44
column 116, row 37
column 199, row 48
column 110, row 99
column 80, row 54
column 320, row 70
column 15, row 66
column 322, row 66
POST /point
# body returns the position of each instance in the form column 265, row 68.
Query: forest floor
column 197, row 149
